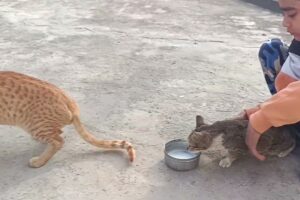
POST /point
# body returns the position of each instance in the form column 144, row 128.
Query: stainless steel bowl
column 178, row 157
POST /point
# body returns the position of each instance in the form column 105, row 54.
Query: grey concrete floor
column 140, row 70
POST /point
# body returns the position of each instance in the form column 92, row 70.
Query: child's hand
column 246, row 113
column 252, row 138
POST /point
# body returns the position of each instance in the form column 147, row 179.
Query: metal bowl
column 178, row 157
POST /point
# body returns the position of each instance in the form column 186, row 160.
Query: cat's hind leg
column 286, row 152
column 54, row 143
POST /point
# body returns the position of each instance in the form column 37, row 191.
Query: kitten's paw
column 225, row 162
column 36, row 162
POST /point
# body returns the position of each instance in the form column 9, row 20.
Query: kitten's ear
column 199, row 121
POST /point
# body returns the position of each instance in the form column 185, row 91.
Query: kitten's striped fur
column 42, row 110
column 225, row 140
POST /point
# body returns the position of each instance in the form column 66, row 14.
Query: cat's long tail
column 109, row 144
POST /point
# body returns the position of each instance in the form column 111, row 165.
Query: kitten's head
column 199, row 140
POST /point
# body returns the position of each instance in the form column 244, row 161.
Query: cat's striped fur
column 42, row 110
column 225, row 140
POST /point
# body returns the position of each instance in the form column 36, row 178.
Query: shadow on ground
column 266, row 4
column 248, row 175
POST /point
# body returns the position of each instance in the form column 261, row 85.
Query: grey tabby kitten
column 225, row 140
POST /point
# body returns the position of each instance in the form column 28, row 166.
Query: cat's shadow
column 255, row 169
column 14, row 168
column 247, row 174
column 118, row 157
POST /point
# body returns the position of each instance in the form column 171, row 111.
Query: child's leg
column 272, row 55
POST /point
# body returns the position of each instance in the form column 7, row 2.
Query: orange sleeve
column 282, row 80
column 281, row 109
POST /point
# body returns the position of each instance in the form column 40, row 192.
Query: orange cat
column 42, row 110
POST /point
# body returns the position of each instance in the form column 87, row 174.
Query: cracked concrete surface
column 140, row 70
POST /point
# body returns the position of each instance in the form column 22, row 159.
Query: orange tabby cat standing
column 42, row 110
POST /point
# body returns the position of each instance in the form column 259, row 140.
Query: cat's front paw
column 36, row 162
column 225, row 162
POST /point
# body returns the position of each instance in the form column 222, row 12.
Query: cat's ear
column 199, row 121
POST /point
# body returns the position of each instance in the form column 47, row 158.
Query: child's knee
column 273, row 49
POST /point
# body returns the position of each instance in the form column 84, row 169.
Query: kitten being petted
column 225, row 140
column 42, row 110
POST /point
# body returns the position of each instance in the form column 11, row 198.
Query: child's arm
column 282, row 81
column 281, row 109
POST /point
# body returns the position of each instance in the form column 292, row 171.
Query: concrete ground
column 140, row 70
